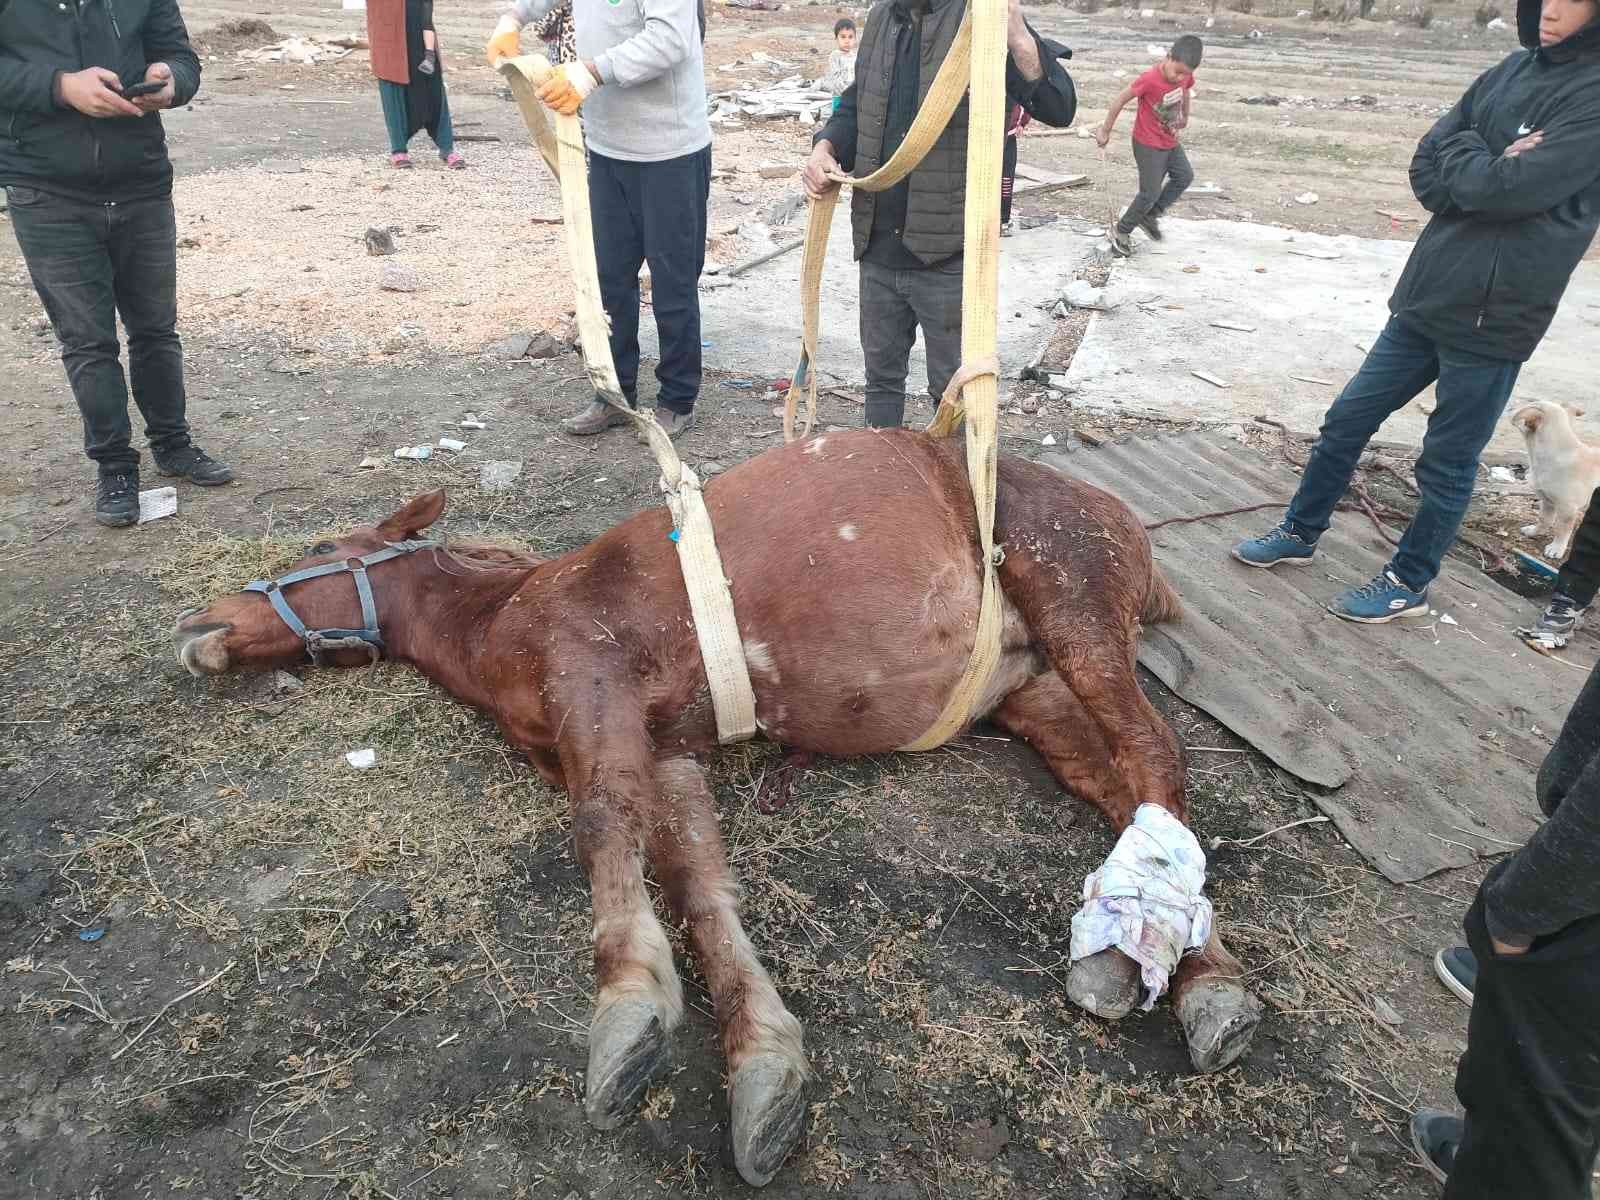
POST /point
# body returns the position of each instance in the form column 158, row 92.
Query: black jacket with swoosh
column 1507, row 233
column 59, row 150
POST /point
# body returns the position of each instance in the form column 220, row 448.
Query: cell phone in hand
column 136, row 90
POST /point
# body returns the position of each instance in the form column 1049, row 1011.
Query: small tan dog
column 1565, row 471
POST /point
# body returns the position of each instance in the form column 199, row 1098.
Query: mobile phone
column 141, row 89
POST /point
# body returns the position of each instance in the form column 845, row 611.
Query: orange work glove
column 506, row 43
column 567, row 87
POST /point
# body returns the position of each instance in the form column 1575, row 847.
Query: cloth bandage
column 1147, row 900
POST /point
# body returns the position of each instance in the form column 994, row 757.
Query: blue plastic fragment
column 91, row 935
column 1535, row 566
column 673, row 535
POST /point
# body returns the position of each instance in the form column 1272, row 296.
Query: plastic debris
column 1503, row 475
column 361, row 760
column 471, row 421
column 452, row 444
column 369, row 463
column 1307, row 198
column 1447, row 619
column 158, row 503
column 498, row 476
column 1049, row 439
column 91, row 935
column 419, row 453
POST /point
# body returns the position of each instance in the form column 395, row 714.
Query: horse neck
column 441, row 619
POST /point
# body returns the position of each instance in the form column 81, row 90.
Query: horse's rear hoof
column 767, row 1097
column 627, row 1049
column 1106, row 983
column 1219, row 1019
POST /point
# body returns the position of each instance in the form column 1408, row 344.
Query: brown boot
column 675, row 423
column 597, row 417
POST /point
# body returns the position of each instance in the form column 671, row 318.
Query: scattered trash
column 285, row 684
column 361, row 760
column 1535, row 566
column 1154, row 51
column 1270, row 100
column 1306, row 198
column 307, row 52
column 91, row 935
column 1447, row 619
column 1497, row 24
column 1503, row 475
column 791, row 98
column 1396, row 218
column 452, row 444
column 498, row 476
column 419, row 453
column 379, row 241
column 1049, row 439
column 1255, row 35
column 470, row 421
column 157, row 503
column 1191, row 269
column 1209, row 378
column 711, row 467
column 1385, row 1012
column 369, row 463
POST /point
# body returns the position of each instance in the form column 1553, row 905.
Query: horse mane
column 473, row 556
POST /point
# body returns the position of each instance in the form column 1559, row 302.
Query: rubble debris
column 157, row 503
column 791, row 98
column 498, row 476
column 306, row 51
column 379, row 242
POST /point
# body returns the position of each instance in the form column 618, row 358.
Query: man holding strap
column 908, row 239
column 640, row 78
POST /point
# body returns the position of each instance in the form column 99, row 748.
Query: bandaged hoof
column 1219, row 1019
column 768, row 1102
column 627, row 1050
column 1106, row 984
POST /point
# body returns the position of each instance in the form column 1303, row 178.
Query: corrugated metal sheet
column 1422, row 736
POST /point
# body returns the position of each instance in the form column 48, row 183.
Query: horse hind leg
column 1218, row 1016
column 761, row 1039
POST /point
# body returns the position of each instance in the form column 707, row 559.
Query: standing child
column 842, row 62
column 1164, row 171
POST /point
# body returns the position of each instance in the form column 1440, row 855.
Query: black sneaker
column 1121, row 244
column 1151, row 224
column 1555, row 625
column 116, row 498
column 1457, row 969
column 1436, row 1136
column 194, row 464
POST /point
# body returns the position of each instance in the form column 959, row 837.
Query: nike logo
column 1523, row 130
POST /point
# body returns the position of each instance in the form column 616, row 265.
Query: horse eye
column 323, row 548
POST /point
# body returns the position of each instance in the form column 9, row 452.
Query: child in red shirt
column 1164, row 171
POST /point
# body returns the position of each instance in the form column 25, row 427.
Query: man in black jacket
column 909, row 239
column 1512, row 176
column 1530, row 1079
column 89, row 187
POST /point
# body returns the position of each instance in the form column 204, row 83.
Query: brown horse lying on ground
column 855, row 581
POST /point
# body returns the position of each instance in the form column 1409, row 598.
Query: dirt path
column 392, row 965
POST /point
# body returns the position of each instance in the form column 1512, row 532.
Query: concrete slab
column 753, row 324
column 1311, row 316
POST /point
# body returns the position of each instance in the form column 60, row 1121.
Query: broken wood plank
column 1209, row 378
column 1039, row 174
column 1066, row 181
column 755, row 260
column 1310, row 379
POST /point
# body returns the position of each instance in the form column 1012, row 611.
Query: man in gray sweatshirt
column 640, row 80
column 1530, row 1079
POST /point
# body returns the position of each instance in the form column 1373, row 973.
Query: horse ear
column 1527, row 419
column 1576, row 410
column 419, row 513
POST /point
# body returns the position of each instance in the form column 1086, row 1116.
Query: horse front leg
column 761, row 1039
column 638, row 996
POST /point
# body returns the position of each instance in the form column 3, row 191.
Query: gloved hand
column 506, row 43
column 567, row 87
column 428, row 64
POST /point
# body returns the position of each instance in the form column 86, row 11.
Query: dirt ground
column 232, row 965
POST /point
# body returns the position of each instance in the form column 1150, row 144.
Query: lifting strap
column 710, row 594
column 975, row 65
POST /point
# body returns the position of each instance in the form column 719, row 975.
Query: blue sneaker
column 1384, row 599
column 1279, row 545
column 1457, row 969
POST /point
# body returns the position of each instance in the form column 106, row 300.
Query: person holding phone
column 83, row 159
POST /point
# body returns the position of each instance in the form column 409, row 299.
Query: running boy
column 842, row 62
column 1164, row 171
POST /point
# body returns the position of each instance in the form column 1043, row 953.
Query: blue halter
column 320, row 642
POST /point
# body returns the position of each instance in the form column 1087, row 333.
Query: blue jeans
column 1473, row 391
column 653, row 212
column 90, row 262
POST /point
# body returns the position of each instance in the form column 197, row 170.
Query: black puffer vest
column 936, row 203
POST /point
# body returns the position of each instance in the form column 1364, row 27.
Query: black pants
column 1530, row 1079
column 1580, row 574
column 90, row 262
column 1164, row 175
column 895, row 303
column 653, row 212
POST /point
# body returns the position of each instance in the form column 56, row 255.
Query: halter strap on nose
column 320, row 642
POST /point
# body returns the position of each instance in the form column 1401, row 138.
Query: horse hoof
column 1106, row 983
column 1219, row 1018
column 767, row 1097
column 627, row 1049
